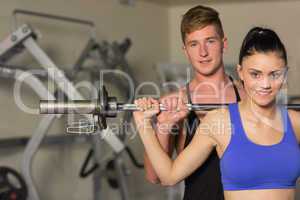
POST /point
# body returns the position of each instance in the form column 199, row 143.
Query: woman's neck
column 252, row 109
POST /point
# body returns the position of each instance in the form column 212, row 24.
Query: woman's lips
column 263, row 93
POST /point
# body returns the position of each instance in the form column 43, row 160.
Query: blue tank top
column 249, row 166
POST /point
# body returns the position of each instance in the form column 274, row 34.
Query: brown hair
column 199, row 17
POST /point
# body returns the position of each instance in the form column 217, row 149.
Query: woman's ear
column 239, row 70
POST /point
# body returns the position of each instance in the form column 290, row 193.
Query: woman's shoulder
column 294, row 116
column 295, row 120
column 216, row 120
column 216, row 125
column 217, row 114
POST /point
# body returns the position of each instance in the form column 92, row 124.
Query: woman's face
column 263, row 75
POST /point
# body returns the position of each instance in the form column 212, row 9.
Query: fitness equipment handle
column 70, row 107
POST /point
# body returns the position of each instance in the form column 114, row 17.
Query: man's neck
column 218, row 79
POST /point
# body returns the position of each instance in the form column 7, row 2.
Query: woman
column 256, row 140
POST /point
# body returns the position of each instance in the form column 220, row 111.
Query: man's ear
column 225, row 44
column 184, row 50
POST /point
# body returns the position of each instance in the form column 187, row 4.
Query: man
column 203, row 44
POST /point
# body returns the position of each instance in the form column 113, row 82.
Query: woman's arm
column 165, row 121
column 167, row 142
column 171, row 172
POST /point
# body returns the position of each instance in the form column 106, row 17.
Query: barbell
column 108, row 107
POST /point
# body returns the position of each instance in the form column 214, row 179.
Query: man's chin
column 209, row 72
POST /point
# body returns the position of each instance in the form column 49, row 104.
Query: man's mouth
column 204, row 61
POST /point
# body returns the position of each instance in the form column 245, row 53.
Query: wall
column 56, row 168
column 238, row 17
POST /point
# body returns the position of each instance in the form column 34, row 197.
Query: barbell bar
column 92, row 107
column 106, row 106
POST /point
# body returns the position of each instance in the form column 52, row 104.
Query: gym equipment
column 293, row 98
column 88, row 23
column 12, row 185
column 108, row 56
column 50, row 140
column 108, row 107
column 24, row 38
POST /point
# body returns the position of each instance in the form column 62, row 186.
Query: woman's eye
column 275, row 75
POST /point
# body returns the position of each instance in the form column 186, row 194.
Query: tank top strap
column 189, row 98
column 236, row 91
column 192, row 120
column 236, row 122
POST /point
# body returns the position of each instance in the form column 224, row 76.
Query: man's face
column 204, row 49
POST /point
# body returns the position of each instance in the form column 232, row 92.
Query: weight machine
column 25, row 38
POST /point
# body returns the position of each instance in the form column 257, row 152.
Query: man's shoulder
column 239, row 85
column 173, row 93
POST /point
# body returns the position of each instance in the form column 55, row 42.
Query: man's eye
column 254, row 75
column 193, row 44
column 211, row 41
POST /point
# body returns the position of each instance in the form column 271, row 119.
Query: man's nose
column 203, row 50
